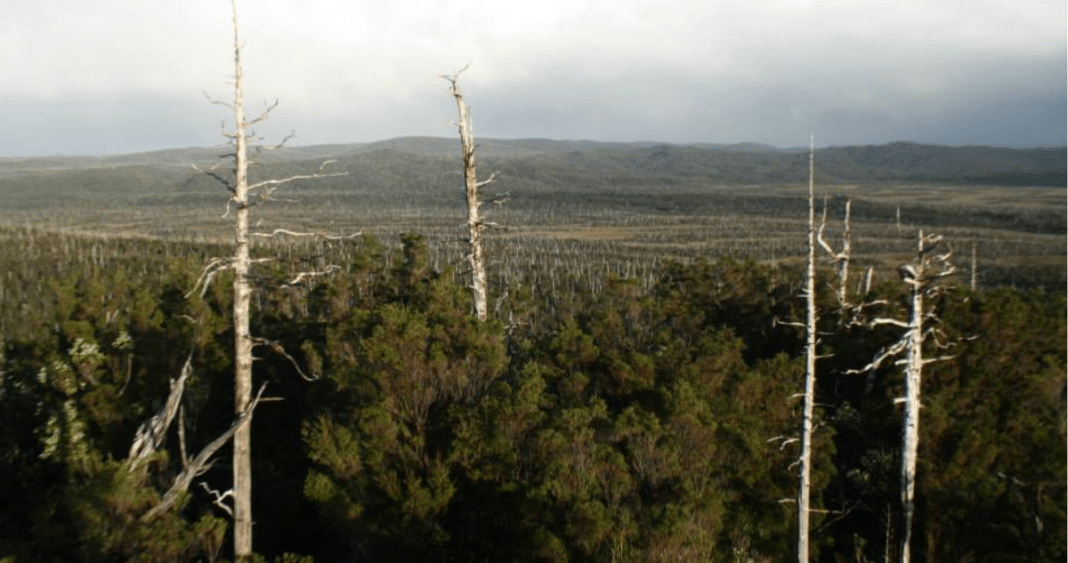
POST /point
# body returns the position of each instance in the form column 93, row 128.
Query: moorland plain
column 610, row 207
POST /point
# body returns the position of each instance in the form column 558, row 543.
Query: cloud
column 764, row 70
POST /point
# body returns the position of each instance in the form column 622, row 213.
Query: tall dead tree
column 803, row 493
column 922, row 275
column 840, row 258
column 475, row 223
column 243, row 196
column 242, row 485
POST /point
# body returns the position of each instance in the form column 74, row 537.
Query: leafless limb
column 151, row 434
column 274, row 183
column 886, row 353
column 202, row 462
column 218, row 497
column 776, row 321
column 181, row 437
column 210, row 172
column 263, row 116
column 277, row 348
column 285, row 140
column 287, row 232
column 208, row 274
column 301, row 276
column 217, row 102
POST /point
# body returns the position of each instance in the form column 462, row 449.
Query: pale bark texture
column 803, row 494
column 242, row 464
column 475, row 223
column 151, row 434
column 911, row 424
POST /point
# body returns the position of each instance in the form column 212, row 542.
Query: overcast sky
column 110, row 76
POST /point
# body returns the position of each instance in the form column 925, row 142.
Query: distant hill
column 430, row 165
column 746, row 163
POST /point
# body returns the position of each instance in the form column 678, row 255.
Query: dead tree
column 475, row 223
column 803, row 493
column 840, row 258
column 974, row 279
column 922, row 275
column 243, row 196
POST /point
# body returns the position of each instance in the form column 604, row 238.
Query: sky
column 118, row 76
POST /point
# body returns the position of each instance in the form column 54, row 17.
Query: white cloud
column 624, row 68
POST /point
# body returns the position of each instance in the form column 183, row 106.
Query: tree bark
column 242, row 464
column 843, row 260
column 803, row 496
column 913, row 380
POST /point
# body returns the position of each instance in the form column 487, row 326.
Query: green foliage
column 993, row 449
column 629, row 421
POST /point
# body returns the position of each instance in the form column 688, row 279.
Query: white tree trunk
column 913, row 378
column 974, row 285
column 843, row 261
column 242, row 337
column 922, row 276
column 471, row 186
column 803, row 498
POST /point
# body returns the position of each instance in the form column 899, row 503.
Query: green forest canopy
column 637, row 422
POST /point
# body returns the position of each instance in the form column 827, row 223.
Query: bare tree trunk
column 843, row 262
column 242, row 336
column 913, row 380
column 921, row 275
column 975, row 277
column 803, row 497
column 475, row 223
column 243, row 195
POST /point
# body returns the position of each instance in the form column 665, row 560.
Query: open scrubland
column 581, row 206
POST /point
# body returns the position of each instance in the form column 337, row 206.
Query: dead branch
column 208, row 274
column 301, row 276
column 886, row 353
column 287, row 232
column 262, row 116
column 218, row 497
column 277, row 182
column 181, row 437
column 277, row 348
column 150, row 435
column 210, row 172
column 202, row 462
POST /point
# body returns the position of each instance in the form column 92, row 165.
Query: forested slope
column 637, row 422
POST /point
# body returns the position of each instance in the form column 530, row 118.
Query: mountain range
column 899, row 161
column 428, row 165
